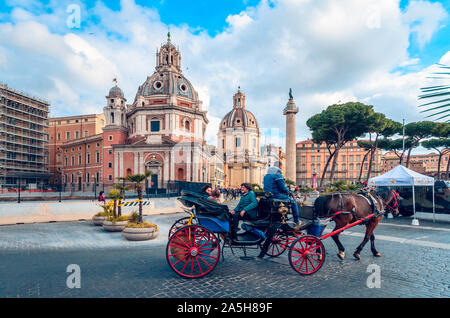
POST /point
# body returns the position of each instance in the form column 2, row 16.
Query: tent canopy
column 401, row 176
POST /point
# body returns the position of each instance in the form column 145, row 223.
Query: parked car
column 424, row 198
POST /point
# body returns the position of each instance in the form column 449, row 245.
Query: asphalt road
column 34, row 259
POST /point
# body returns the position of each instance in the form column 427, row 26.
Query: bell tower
column 168, row 58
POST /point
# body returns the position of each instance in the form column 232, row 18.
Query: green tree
column 114, row 195
column 379, row 125
column 121, row 188
column 442, row 146
column 418, row 131
column 367, row 146
column 329, row 138
column 395, row 145
column 137, row 179
column 340, row 123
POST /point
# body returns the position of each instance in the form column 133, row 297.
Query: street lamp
column 18, row 191
column 60, row 186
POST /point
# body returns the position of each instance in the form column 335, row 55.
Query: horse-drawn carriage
column 197, row 242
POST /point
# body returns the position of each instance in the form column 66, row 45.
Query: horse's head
column 391, row 202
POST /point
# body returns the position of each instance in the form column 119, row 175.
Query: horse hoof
column 357, row 256
column 341, row 255
column 377, row 254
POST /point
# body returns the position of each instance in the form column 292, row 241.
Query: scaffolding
column 23, row 139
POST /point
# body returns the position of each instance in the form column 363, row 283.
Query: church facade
column 162, row 130
column 239, row 141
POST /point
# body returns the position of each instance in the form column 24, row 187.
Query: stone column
column 290, row 111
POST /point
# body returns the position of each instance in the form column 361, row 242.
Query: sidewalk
column 54, row 211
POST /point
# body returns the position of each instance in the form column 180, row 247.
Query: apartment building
column 23, row 139
column 312, row 157
column 82, row 131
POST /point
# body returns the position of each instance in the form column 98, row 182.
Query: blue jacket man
column 274, row 183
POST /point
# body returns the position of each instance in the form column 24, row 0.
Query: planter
column 98, row 220
column 140, row 234
column 114, row 227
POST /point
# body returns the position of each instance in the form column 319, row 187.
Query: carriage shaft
column 347, row 226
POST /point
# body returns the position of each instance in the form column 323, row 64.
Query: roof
column 401, row 176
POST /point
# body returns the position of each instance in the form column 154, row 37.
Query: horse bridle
column 395, row 206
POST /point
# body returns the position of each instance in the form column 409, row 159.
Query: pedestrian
column 101, row 197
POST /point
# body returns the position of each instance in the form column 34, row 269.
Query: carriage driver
column 274, row 183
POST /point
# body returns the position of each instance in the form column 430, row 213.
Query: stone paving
column 34, row 258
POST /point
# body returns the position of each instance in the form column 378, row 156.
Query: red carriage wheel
column 181, row 223
column 307, row 255
column 277, row 246
column 193, row 251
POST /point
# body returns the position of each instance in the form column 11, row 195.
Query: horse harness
column 371, row 200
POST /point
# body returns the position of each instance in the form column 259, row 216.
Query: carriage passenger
column 247, row 209
column 274, row 183
column 215, row 195
column 206, row 191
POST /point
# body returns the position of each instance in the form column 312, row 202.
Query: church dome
column 116, row 92
column 167, row 83
column 239, row 117
column 168, row 78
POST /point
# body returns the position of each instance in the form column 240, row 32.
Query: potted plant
column 100, row 217
column 137, row 229
column 115, row 223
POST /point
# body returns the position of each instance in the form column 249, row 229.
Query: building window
column 59, row 136
column 67, row 135
column 72, row 161
column 79, row 160
column 238, row 142
column 155, row 125
column 110, row 152
column 97, row 156
column 86, row 133
column 109, row 164
column 88, row 158
column 110, row 137
column 223, row 143
column 110, row 177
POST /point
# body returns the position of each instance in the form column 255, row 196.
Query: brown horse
column 356, row 206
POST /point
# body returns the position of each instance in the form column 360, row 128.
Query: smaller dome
column 115, row 92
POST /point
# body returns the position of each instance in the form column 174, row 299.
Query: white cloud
column 426, row 18
column 326, row 51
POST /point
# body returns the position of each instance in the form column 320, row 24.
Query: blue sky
column 375, row 51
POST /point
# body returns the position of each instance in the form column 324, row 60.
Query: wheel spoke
column 199, row 267
column 210, row 267
column 207, row 255
column 179, row 246
column 187, row 255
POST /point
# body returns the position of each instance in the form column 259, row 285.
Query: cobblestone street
column 34, row 257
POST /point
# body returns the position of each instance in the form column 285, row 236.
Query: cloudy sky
column 379, row 52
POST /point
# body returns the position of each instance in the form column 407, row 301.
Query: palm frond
column 439, row 105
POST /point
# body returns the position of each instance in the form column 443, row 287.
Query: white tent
column 401, row 176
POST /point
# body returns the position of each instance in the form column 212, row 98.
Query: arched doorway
column 155, row 167
column 180, row 174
